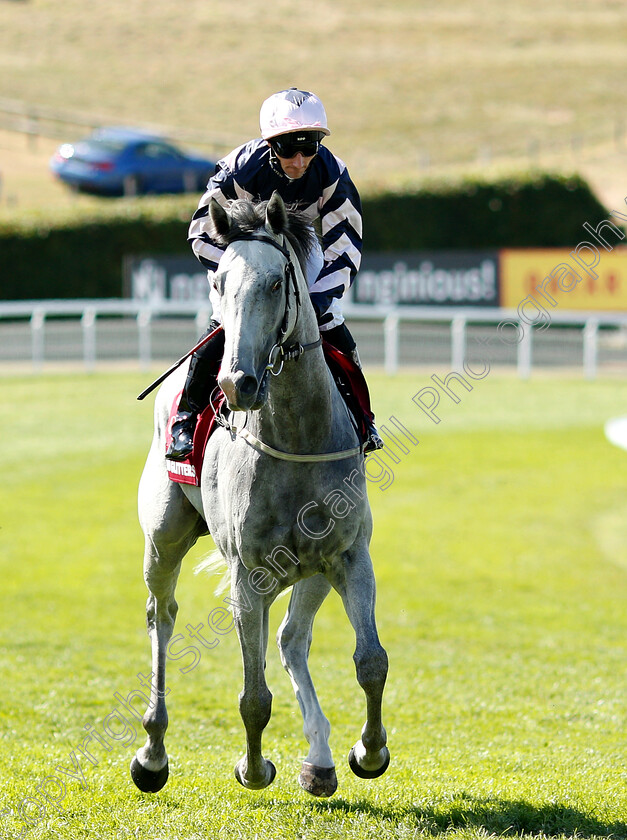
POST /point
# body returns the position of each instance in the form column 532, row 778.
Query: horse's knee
column 256, row 707
column 284, row 637
column 288, row 640
column 163, row 608
column 371, row 667
column 161, row 570
column 166, row 543
column 161, row 582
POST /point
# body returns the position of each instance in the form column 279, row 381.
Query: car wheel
column 190, row 181
column 131, row 186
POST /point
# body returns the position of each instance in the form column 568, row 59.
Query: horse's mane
column 248, row 217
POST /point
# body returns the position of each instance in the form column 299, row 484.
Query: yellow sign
column 587, row 277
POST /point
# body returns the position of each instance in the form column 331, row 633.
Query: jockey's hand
column 355, row 357
column 341, row 338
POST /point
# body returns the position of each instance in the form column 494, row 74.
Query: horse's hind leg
column 317, row 774
column 370, row 756
column 165, row 546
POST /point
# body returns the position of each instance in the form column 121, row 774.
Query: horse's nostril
column 248, row 386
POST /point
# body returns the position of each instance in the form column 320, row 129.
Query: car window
column 95, row 146
column 158, row 151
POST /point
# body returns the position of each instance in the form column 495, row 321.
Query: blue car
column 123, row 161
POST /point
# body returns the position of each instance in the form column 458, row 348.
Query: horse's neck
column 299, row 414
column 302, row 413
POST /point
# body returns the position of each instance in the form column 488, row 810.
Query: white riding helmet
column 292, row 110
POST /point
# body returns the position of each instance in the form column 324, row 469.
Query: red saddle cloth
column 188, row 471
column 348, row 378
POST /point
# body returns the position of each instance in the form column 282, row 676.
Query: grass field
column 411, row 87
column 501, row 556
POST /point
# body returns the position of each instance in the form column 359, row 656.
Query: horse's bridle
column 281, row 353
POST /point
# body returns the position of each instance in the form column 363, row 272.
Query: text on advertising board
column 428, row 279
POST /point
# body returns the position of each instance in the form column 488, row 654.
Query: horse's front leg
column 250, row 613
column 171, row 527
column 149, row 767
column 355, row 583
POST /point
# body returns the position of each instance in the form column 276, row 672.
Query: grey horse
column 283, row 494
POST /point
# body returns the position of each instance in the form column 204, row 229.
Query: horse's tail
column 214, row 564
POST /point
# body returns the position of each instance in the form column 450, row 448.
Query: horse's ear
column 219, row 218
column 276, row 214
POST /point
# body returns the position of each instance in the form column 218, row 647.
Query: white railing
column 95, row 331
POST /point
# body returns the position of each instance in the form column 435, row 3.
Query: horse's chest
column 304, row 515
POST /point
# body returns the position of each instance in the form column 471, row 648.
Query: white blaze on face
column 249, row 316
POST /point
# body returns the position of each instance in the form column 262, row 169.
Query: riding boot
column 373, row 438
column 341, row 338
column 200, row 382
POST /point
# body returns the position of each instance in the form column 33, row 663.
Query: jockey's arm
column 340, row 215
column 202, row 245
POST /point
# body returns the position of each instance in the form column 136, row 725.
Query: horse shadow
column 495, row 816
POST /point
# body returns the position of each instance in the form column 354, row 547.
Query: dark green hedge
column 81, row 260
column 541, row 212
column 84, row 259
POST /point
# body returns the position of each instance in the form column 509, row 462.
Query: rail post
column 37, row 322
column 590, row 348
column 523, row 362
column 144, row 318
column 391, row 342
column 88, row 324
column 458, row 342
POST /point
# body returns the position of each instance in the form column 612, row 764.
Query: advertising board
column 578, row 279
column 444, row 278
column 153, row 279
column 424, row 278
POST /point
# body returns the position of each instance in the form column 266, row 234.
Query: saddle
column 348, row 378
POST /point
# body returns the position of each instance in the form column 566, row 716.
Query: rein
column 279, row 354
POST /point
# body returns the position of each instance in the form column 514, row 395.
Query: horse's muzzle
column 243, row 391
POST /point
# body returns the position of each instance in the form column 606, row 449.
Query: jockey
column 288, row 158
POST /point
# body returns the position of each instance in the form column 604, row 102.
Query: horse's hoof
column 148, row 781
column 318, row 781
column 271, row 773
column 358, row 770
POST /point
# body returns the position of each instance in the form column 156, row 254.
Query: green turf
column 500, row 550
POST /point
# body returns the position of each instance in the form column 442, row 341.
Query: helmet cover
column 292, row 110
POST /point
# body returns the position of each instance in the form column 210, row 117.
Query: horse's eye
column 276, row 285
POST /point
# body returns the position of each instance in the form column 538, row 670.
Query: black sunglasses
column 289, row 145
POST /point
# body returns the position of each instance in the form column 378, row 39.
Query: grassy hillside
column 405, row 82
